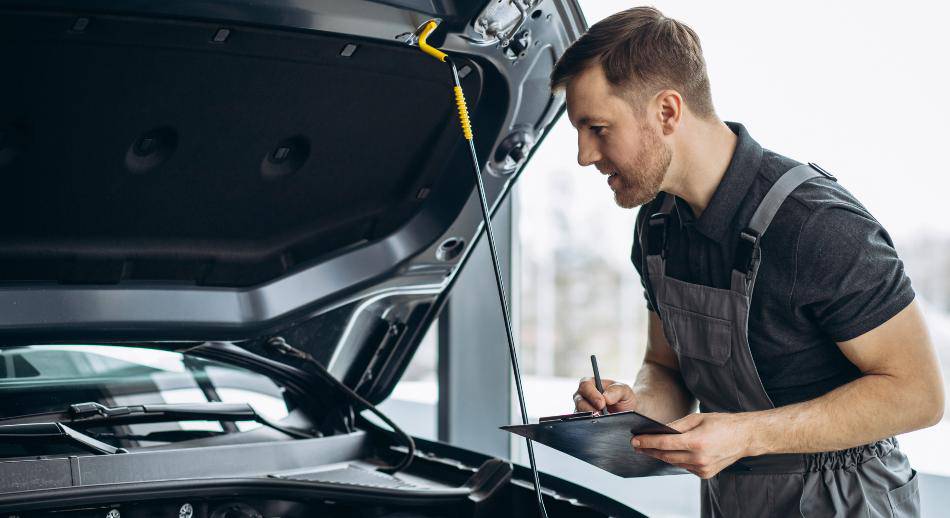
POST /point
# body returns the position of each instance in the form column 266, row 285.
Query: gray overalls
column 707, row 328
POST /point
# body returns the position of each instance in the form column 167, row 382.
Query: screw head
column 221, row 35
column 281, row 153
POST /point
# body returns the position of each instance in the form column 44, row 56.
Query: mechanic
column 776, row 300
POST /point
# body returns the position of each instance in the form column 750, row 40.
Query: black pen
column 597, row 383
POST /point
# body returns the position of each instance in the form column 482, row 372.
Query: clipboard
column 602, row 440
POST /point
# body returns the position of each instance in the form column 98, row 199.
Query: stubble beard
column 640, row 180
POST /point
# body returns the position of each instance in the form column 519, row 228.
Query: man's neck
column 700, row 163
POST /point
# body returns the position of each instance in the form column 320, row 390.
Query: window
column 414, row 400
column 858, row 95
column 50, row 378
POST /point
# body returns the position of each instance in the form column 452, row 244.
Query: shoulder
column 818, row 207
column 822, row 223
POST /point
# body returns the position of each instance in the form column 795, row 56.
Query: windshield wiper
column 96, row 414
column 44, row 432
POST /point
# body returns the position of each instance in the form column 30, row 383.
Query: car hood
column 234, row 171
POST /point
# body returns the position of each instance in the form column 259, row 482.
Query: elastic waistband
column 813, row 462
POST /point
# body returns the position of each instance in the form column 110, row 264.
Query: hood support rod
column 486, row 216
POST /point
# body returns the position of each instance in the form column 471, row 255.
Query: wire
column 499, row 281
column 282, row 346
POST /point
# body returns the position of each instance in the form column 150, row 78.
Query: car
column 226, row 227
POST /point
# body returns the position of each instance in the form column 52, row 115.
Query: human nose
column 587, row 152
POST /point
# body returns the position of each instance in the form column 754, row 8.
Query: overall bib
column 707, row 328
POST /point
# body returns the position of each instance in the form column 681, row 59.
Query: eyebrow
column 584, row 121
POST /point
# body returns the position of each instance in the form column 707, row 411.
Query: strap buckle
column 745, row 250
column 656, row 234
column 818, row 168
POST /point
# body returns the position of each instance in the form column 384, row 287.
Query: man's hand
column 617, row 397
column 709, row 443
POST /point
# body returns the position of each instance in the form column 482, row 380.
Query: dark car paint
column 388, row 286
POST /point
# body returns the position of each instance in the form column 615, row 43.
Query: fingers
column 661, row 442
column 619, row 393
column 696, row 463
column 693, row 470
column 687, row 423
column 582, row 405
column 591, row 400
column 672, row 457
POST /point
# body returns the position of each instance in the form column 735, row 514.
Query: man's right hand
column 618, row 397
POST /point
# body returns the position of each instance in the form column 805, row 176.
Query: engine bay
column 331, row 476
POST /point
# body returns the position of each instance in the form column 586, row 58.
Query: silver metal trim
column 434, row 289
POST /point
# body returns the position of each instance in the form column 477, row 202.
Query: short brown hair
column 642, row 52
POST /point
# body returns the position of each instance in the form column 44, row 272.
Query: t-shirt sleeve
column 636, row 256
column 848, row 277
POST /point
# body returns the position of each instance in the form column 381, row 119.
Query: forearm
column 661, row 394
column 868, row 409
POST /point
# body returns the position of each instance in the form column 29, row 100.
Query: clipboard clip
column 566, row 417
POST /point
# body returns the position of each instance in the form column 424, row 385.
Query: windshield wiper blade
column 94, row 414
column 211, row 411
column 42, row 432
column 159, row 436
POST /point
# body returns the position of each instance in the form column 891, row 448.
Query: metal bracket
column 494, row 23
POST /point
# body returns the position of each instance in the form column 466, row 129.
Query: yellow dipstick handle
column 425, row 47
column 463, row 113
column 442, row 56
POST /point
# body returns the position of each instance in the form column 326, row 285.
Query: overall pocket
column 905, row 500
column 698, row 336
column 703, row 346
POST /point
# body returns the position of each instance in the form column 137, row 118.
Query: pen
column 597, row 383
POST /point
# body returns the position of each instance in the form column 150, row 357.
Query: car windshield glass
column 48, row 378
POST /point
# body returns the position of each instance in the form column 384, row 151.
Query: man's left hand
column 708, row 443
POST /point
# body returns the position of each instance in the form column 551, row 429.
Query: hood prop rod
column 466, row 124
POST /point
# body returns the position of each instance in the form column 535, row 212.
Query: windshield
column 48, row 378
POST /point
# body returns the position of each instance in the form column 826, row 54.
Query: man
column 776, row 300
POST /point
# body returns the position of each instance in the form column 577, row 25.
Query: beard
column 639, row 180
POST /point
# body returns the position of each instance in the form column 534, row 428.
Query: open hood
column 226, row 170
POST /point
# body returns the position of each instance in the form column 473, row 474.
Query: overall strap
column 747, row 249
column 653, row 242
column 653, row 232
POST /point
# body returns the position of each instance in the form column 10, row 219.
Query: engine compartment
column 232, row 508
column 260, row 508
column 328, row 476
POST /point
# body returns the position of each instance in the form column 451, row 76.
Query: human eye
column 599, row 130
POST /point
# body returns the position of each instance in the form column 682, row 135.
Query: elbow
column 932, row 418
column 938, row 416
column 940, row 405
column 933, row 410
column 922, row 400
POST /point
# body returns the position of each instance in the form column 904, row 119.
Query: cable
column 281, row 345
column 486, row 218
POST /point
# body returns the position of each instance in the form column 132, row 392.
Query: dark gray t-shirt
column 829, row 270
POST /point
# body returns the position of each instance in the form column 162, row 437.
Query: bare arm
column 658, row 393
column 900, row 390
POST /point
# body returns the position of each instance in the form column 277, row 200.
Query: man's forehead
column 589, row 97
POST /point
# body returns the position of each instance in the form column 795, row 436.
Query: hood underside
column 232, row 171
column 150, row 154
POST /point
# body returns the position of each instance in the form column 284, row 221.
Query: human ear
column 670, row 109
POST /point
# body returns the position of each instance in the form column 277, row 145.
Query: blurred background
column 859, row 88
